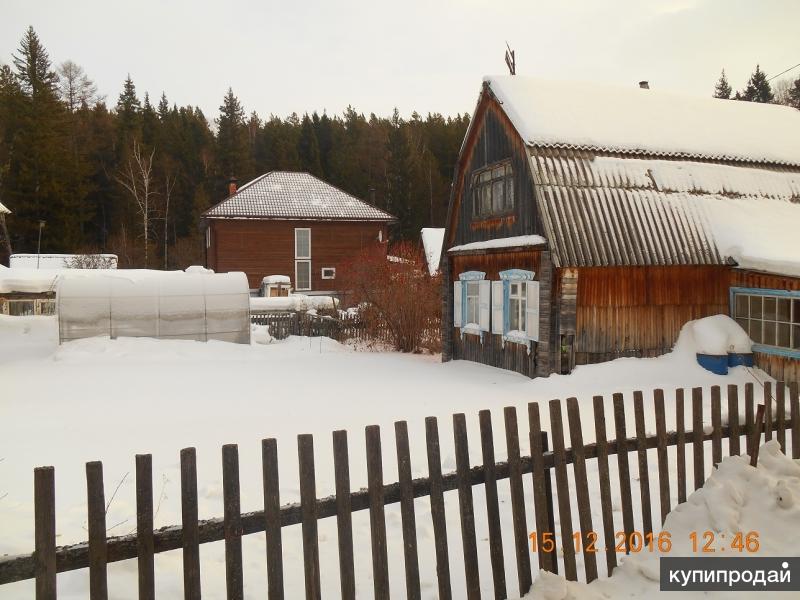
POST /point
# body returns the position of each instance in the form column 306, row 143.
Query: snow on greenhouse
column 157, row 304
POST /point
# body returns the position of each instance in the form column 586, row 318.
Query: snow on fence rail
column 283, row 324
column 99, row 550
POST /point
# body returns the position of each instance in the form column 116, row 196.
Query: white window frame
column 527, row 291
column 302, row 259
column 331, row 275
column 300, row 256
column 482, row 303
column 208, row 236
column 297, row 287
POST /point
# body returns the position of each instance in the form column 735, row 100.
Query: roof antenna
column 511, row 61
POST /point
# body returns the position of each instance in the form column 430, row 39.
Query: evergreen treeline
column 758, row 89
column 132, row 177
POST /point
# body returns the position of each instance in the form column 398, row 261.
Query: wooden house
column 589, row 222
column 291, row 224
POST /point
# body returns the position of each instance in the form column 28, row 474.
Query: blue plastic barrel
column 716, row 363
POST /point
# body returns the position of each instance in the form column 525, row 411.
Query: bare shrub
column 91, row 261
column 396, row 296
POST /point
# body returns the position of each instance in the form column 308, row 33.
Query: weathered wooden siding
column 261, row 248
column 513, row 357
column 639, row 311
column 492, row 138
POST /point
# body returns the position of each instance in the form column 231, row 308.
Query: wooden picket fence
column 47, row 560
column 346, row 327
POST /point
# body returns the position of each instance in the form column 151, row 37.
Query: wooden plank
column 756, row 437
column 540, row 511
column 272, row 518
column 232, row 518
column 767, row 411
column 644, row 470
column 409, row 521
column 44, row 510
column 191, row 534
column 680, row 431
column 698, row 459
column 749, row 416
column 98, row 553
column 624, row 470
column 734, row 439
column 465, row 508
column 492, row 506
column 548, row 499
column 517, row 500
column 663, row 457
column 144, row 526
column 344, row 517
column 437, row 508
column 308, row 508
column 562, row 485
column 794, row 396
column 377, row 517
column 588, row 536
column 780, row 401
column 605, row 483
column 716, row 426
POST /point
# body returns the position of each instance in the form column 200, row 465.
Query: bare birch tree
column 137, row 178
column 169, row 184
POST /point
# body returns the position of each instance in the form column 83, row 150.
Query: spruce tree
column 794, row 94
column 758, row 88
column 163, row 107
column 308, row 148
column 723, row 88
column 34, row 72
column 233, row 148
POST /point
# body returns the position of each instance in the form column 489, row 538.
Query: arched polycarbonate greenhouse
column 157, row 304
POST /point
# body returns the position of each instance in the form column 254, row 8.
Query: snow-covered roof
column 4, row 210
column 290, row 195
column 631, row 120
column 432, row 241
column 276, row 279
column 516, row 241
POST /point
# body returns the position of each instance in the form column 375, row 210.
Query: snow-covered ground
column 101, row 399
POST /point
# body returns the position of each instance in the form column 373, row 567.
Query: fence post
column 232, row 522
column 377, row 516
column 780, row 400
column 466, row 508
column 437, row 508
column 517, row 500
column 550, row 513
column 144, row 526
column 663, row 458
column 644, row 470
column 191, row 534
column 795, row 404
column 697, row 438
column 755, row 439
column 409, row 521
column 734, row 441
column 44, row 503
column 605, row 483
column 308, row 508
column 680, row 416
column 344, row 517
column 272, row 518
column 716, row 426
column 562, row 484
column 98, row 552
column 624, row 468
column 767, row 411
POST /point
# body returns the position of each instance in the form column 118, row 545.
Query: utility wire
column 782, row 72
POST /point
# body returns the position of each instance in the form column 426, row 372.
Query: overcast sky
column 424, row 55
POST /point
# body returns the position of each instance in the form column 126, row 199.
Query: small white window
column 473, row 302
column 302, row 243
column 302, row 274
column 328, row 273
column 517, row 304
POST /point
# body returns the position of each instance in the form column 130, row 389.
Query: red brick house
column 293, row 224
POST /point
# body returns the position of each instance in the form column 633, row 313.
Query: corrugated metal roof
column 600, row 210
column 290, row 195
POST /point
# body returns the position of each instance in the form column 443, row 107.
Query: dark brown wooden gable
column 491, row 138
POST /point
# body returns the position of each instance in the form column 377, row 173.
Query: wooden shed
column 591, row 222
column 292, row 224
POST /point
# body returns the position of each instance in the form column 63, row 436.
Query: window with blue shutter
column 520, row 307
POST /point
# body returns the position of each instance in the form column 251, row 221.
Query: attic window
column 493, row 191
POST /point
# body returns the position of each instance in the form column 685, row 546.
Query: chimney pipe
column 232, row 186
column 645, row 85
